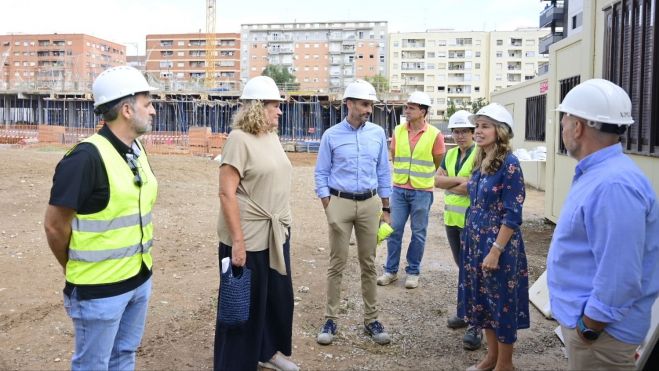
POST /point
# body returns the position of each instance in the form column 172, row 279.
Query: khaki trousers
column 606, row 353
column 342, row 215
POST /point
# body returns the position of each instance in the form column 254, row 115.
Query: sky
column 129, row 21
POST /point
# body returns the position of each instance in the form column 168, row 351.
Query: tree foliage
column 379, row 82
column 472, row 106
column 283, row 77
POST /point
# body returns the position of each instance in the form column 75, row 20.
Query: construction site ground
column 35, row 332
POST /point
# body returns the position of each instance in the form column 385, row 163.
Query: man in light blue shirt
column 602, row 264
column 352, row 168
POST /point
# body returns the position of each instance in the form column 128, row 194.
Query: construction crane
column 209, row 81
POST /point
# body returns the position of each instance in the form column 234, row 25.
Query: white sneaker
column 279, row 363
column 411, row 282
column 387, row 278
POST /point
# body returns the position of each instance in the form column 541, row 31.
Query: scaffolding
column 67, row 119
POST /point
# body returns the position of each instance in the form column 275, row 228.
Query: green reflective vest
column 110, row 245
column 418, row 168
column 455, row 205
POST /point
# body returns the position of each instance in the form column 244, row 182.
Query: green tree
column 284, row 79
column 379, row 82
column 472, row 107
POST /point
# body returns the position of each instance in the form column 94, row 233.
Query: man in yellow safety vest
column 417, row 149
column 99, row 225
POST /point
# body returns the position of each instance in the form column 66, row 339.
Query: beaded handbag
column 234, row 297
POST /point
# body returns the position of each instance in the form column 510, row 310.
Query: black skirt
column 270, row 325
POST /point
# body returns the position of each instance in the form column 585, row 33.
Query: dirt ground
column 35, row 332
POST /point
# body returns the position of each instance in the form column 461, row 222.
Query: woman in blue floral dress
column 493, row 288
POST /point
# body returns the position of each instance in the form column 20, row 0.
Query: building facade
column 459, row 67
column 181, row 61
column 55, row 62
column 323, row 56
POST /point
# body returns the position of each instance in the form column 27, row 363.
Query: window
column 630, row 42
column 499, row 42
column 477, row 54
column 530, row 54
column 499, row 54
column 565, row 86
column 536, row 113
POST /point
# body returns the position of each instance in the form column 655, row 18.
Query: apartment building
column 181, row 61
column 55, row 62
column 462, row 66
column 323, row 56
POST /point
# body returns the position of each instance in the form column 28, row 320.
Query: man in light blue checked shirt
column 602, row 267
column 352, row 168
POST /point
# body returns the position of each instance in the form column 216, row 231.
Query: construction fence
column 184, row 124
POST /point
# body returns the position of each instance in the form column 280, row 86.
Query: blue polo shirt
column 353, row 160
column 604, row 253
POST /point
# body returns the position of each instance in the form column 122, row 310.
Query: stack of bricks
column 198, row 140
column 51, row 134
column 216, row 143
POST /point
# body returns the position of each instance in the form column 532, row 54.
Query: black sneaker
column 456, row 322
column 472, row 339
column 327, row 333
column 376, row 331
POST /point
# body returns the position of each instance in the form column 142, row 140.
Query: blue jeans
column 108, row 330
column 415, row 205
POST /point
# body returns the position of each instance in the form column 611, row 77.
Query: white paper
column 226, row 262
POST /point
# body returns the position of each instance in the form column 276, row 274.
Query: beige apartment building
column 462, row 66
column 181, row 61
column 55, row 62
column 323, row 56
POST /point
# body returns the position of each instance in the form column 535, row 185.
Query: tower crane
column 209, row 81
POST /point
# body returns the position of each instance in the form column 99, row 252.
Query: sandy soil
column 35, row 332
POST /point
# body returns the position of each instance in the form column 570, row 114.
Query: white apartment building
column 462, row 66
column 323, row 56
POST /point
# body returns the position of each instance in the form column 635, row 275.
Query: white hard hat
column 419, row 98
column 261, row 88
column 496, row 112
column 118, row 82
column 460, row 119
column 360, row 89
column 598, row 100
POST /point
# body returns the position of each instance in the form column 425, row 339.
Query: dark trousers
column 270, row 325
column 453, row 235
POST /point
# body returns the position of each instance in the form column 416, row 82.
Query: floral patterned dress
column 497, row 300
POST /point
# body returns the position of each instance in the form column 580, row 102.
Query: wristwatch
column 386, row 209
column 587, row 333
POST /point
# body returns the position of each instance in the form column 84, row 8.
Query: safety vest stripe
column 95, row 256
column 414, row 173
column 414, row 162
column 100, row 226
column 455, row 209
column 448, row 193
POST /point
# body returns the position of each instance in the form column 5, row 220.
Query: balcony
column 548, row 40
column 553, row 13
column 543, row 68
column 275, row 49
column 413, row 55
column 279, row 38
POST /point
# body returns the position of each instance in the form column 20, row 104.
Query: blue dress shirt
column 353, row 160
column 603, row 256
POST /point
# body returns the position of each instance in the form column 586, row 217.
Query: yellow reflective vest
column 109, row 246
column 455, row 205
column 418, row 168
